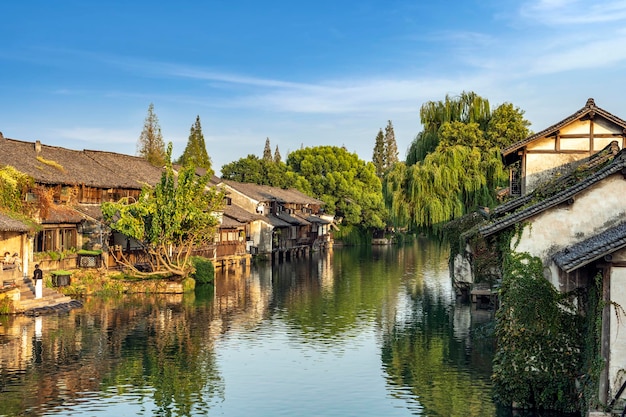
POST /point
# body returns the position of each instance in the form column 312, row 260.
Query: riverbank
column 96, row 282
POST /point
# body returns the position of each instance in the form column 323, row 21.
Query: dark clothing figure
column 37, row 273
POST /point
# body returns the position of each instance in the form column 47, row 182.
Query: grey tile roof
column 8, row 224
column 56, row 165
column 238, row 213
column 618, row 165
column 594, row 248
column 590, row 107
column 267, row 193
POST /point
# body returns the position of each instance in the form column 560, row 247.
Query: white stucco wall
column 617, row 338
column 594, row 210
column 541, row 163
column 541, row 167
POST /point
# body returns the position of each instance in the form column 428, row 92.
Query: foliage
column 466, row 108
column 150, row 144
column 507, row 126
column 385, row 153
column 454, row 165
column 204, row 270
column 351, row 235
column 169, row 220
column 539, row 340
column 49, row 162
column 348, row 185
column 592, row 361
column 13, row 187
column 277, row 157
column 378, row 156
column 253, row 170
column 391, row 147
column 195, row 153
column 267, row 151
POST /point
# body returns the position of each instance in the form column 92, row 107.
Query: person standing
column 38, row 278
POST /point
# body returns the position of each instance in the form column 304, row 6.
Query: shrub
column 204, row 270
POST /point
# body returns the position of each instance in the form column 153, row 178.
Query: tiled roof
column 56, row 165
column 590, row 107
column 592, row 249
column 62, row 214
column 594, row 160
column 235, row 212
column 617, row 165
column 93, row 211
column 8, row 224
column 267, row 193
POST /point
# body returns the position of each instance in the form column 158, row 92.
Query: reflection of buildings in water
column 325, row 270
column 242, row 297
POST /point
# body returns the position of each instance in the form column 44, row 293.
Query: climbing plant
column 539, row 340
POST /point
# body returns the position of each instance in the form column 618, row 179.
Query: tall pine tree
column 195, row 152
column 379, row 155
column 391, row 147
column 267, row 151
column 150, row 144
column 277, row 157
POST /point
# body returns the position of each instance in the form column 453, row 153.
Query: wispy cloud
column 566, row 12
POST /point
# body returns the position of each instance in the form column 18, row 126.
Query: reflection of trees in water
column 446, row 369
column 145, row 346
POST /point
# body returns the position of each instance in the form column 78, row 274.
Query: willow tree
column 466, row 108
column 168, row 220
column 456, row 164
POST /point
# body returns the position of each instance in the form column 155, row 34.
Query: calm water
column 355, row 332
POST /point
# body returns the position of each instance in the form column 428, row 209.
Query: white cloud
column 570, row 12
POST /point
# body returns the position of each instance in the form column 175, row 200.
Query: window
column 58, row 239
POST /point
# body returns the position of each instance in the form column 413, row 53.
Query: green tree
column 277, row 157
column 348, row 185
column 507, row 126
column 150, row 144
column 252, row 169
column 169, row 219
column 466, row 108
column 391, row 147
column 379, row 157
column 456, row 164
column 195, row 152
column 267, row 151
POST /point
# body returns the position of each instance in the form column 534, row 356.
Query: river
column 350, row 332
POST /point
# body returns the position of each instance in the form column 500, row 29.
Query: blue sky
column 81, row 74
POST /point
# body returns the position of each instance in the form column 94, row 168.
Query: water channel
column 350, row 332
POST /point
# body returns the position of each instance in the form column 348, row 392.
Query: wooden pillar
column 605, row 339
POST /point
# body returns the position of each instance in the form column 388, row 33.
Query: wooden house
column 290, row 222
column 69, row 187
column 556, row 150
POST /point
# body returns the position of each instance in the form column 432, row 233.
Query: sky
column 82, row 74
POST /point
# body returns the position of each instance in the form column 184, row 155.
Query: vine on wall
column 539, row 337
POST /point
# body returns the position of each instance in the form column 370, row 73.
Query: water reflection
column 354, row 331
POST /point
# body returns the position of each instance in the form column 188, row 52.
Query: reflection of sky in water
column 339, row 379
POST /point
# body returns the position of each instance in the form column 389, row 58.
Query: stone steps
column 50, row 301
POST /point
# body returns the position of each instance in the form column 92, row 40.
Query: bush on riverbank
column 204, row 270
column 94, row 282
